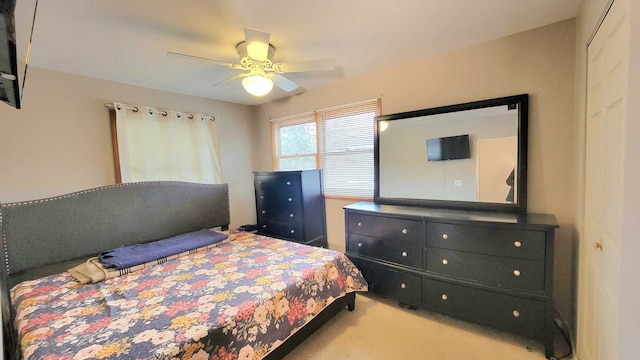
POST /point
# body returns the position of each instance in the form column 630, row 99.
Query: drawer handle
column 260, row 182
column 445, row 236
column 404, row 253
column 444, row 297
column 405, row 231
column 263, row 211
column 516, row 313
column 445, row 261
column 288, row 182
column 261, row 196
column 289, row 199
column 359, row 224
column 292, row 231
column 359, row 244
column 517, row 244
column 290, row 215
column 264, row 226
column 403, row 285
column 516, row 272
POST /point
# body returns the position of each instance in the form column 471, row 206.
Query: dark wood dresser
column 494, row 269
column 290, row 206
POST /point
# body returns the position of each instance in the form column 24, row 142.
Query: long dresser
column 290, row 206
column 494, row 269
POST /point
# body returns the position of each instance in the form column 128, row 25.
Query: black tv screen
column 448, row 148
column 9, row 91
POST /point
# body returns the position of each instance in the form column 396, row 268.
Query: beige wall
column 539, row 62
column 60, row 141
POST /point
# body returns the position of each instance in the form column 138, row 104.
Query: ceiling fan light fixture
column 257, row 85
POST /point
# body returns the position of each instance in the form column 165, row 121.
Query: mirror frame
column 520, row 206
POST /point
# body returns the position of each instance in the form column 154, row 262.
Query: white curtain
column 167, row 145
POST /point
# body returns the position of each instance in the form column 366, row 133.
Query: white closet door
column 601, row 250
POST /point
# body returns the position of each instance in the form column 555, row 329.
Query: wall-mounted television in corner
column 448, row 148
column 9, row 90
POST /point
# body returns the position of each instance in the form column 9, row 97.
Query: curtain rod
column 111, row 106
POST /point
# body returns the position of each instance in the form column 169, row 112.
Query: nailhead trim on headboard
column 99, row 188
column 22, row 203
column 4, row 245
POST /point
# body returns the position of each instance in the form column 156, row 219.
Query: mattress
column 236, row 301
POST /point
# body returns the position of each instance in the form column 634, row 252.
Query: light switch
column 457, row 183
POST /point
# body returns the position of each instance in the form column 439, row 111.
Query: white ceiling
column 126, row 41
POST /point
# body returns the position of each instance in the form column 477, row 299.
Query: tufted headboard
column 48, row 236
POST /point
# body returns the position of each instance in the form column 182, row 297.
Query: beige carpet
column 380, row 329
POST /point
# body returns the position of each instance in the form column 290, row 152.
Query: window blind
column 346, row 136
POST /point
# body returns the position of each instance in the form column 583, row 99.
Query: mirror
column 466, row 156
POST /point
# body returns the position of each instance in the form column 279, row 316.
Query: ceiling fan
column 260, row 73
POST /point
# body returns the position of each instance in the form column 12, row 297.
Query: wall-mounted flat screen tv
column 9, row 90
column 448, row 148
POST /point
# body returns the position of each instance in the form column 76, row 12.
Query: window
column 338, row 140
column 296, row 143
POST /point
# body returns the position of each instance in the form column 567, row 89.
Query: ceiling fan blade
column 302, row 66
column 230, row 79
column 282, row 82
column 257, row 44
column 192, row 57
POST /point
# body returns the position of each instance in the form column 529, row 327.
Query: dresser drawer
column 517, row 243
column 510, row 313
column 402, row 252
column 385, row 227
column 406, row 288
column 288, row 197
column 279, row 211
column 501, row 271
column 289, row 231
column 280, row 183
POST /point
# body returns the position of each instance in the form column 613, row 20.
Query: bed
column 251, row 297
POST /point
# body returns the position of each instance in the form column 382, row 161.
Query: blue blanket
column 128, row 256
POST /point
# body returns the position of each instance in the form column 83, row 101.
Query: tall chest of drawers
column 494, row 269
column 290, row 206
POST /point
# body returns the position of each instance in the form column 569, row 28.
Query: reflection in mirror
column 461, row 156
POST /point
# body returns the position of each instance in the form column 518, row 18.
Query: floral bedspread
column 236, row 301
